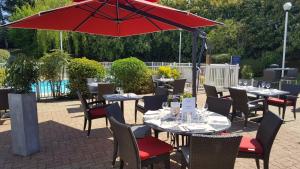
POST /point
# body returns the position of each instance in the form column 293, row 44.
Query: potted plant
column 22, row 72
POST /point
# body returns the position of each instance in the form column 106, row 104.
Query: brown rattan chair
column 92, row 110
column 211, row 152
column 105, row 88
column 139, row 131
column 150, row 103
column 138, row 153
column 211, row 91
column 240, row 103
column 161, row 91
column 286, row 100
column 177, row 87
column 219, row 105
column 4, row 98
column 260, row 147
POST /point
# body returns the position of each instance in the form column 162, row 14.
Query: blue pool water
column 44, row 87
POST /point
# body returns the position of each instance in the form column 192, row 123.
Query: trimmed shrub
column 4, row 55
column 221, row 58
column 79, row 70
column 247, row 72
column 2, row 77
column 168, row 72
column 51, row 68
column 22, row 73
column 132, row 75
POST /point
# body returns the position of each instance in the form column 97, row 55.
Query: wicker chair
column 242, row 104
column 286, row 100
column 291, row 75
column 161, row 91
column 211, row 152
column 211, row 91
column 150, row 103
column 178, row 87
column 92, row 110
column 4, row 98
column 260, row 147
column 138, row 153
column 105, row 88
column 139, row 131
column 219, row 105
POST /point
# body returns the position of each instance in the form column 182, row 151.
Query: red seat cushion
column 250, row 145
column 97, row 112
column 274, row 100
column 150, row 147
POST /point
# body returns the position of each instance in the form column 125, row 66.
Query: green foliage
column 247, row 72
column 51, row 68
column 168, row 72
column 221, row 58
column 4, row 55
column 132, row 74
column 79, row 70
column 2, row 77
column 22, row 73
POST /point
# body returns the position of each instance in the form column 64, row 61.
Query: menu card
column 188, row 105
column 175, row 108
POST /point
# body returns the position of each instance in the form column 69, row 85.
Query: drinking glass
column 268, row 85
column 240, row 82
column 245, row 83
column 263, row 84
column 118, row 89
column 165, row 105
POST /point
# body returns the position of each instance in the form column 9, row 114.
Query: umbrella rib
column 129, row 16
column 117, row 12
column 91, row 15
column 98, row 13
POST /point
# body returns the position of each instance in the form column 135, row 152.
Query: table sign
column 188, row 105
column 175, row 108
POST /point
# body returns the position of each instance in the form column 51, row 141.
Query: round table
column 202, row 122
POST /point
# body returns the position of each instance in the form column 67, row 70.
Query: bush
column 22, row 73
column 4, row 55
column 51, row 68
column 221, row 58
column 247, row 72
column 81, row 68
column 2, row 77
column 132, row 74
column 168, row 72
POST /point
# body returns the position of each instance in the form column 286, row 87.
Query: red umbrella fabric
column 113, row 18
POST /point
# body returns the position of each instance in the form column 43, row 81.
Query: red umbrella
column 118, row 18
column 113, row 18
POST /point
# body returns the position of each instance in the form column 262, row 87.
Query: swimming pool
column 45, row 89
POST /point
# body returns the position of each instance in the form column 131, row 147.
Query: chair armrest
column 256, row 101
column 227, row 96
column 291, row 97
column 220, row 94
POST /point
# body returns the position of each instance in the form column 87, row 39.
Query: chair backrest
column 219, row 105
column 154, row 77
column 293, row 89
column 154, row 102
column 210, row 91
column 268, row 130
column 239, row 100
column 161, row 91
column 83, row 102
column 4, row 98
column 114, row 110
column 213, row 152
column 127, row 146
column 271, row 75
column 292, row 72
column 179, row 85
column 105, row 88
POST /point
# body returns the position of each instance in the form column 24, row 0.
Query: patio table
column 121, row 98
column 165, row 80
column 265, row 93
column 202, row 122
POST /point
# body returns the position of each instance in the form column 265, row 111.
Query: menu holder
column 175, row 108
column 188, row 105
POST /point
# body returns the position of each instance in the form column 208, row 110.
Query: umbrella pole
column 194, row 53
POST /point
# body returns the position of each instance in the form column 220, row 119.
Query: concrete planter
column 24, row 124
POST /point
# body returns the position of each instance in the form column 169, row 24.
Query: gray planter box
column 24, row 124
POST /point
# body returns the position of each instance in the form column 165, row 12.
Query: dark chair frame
column 87, row 108
column 211, row 91
column 177, row 87
column 219, row 105
column 211, row 152
column 266, row 134
column 128, row 148
column 105, row 88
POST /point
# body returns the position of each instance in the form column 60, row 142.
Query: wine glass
column 268, row 85
column 245, row 83
column 263, row 84
column 240, row 82
column 118, row 89
column 165, row 105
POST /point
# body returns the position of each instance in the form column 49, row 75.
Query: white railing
column 222, row 75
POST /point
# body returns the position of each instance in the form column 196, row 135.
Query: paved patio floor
column 64, row 145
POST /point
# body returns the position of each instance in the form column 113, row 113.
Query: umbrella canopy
column 113, row 18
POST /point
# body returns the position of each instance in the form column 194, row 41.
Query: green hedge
column 81, row 68
column 132, row 75
column 4, row 55
column 221, row 58
column 2, row 76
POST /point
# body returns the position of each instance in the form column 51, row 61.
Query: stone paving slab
column 65, row 146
